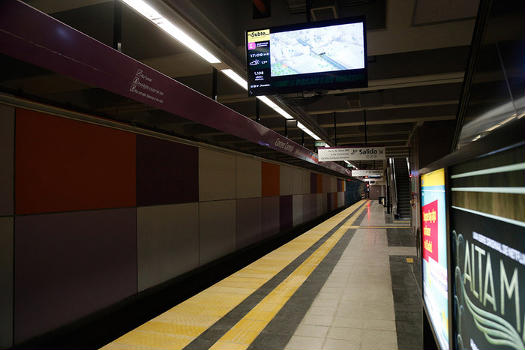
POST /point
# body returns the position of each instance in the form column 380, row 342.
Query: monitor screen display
column 434, row 264
column 320, row 55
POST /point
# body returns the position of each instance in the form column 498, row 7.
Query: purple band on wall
column 55, row 46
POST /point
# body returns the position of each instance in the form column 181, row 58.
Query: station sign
column 367, row 173
column 377, row 179
column 332, row 154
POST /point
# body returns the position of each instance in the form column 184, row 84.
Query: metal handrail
column 394, row 191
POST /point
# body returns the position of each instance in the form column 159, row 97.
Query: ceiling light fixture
column 350, row 164
column 177, row 33
column 236, row 78
column 273, row 106
column 239, row 80
column 306, row 130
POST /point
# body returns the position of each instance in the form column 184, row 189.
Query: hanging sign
column 367, row 173
column 331, row 154
column 373, row 180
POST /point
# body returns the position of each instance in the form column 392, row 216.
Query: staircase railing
column 393, row 192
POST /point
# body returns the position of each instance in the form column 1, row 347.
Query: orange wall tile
column 65, row 165
column 270, row 179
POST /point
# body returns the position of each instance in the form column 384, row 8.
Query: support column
column 214, row 84
column 117, row 25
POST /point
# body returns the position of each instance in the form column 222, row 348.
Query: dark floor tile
column 410, row 326
column 267, row 341
column 408, row 341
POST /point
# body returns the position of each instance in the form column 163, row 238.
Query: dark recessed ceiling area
column 414, row 78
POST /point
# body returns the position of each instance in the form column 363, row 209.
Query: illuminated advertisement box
column 434, row 251
column 488, row 252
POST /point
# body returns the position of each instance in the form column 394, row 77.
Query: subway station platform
column 348, row 283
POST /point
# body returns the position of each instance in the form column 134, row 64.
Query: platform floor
column 348, row 283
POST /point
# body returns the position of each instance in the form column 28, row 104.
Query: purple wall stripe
column 70, row 265
column 167, row 172
column 7, row 138
column 269, row 216
column 248, row 222
column 286, row 213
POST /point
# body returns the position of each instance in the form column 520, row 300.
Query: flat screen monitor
column 434, row 252
column 321, row 55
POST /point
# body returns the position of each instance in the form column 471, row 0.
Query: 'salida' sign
column 332, row 154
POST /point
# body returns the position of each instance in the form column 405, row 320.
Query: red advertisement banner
column 430, row 231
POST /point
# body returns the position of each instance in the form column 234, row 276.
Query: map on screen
column 314, row 50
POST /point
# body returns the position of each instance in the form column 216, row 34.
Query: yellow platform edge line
column 185, row 323
column 382, row 227
column 252, row 324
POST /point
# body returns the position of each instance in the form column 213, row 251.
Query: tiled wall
column 101, row 214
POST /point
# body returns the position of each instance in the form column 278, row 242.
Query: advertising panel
column 434, row 265
column 489, row 281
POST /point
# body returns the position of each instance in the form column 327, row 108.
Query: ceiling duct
column 352, row 99
column 322, row 10
column 296, row 7
column 319, row 9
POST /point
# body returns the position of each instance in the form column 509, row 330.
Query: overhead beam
column 395, row 121
column 50, row 7
column 403, row 82
column 360, row 141
column 385, row 107
column 377, row 84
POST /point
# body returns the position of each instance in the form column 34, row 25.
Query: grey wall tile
column 340, row 199
column 216, row 175
column 298, row 181
column 6, row 282
column 248, row 177
column 286, row 180
column 217, row 226
column 168, row 242
column 7, row 137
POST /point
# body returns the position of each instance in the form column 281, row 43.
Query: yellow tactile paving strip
column 252, row 324
column 381, row 227
column 179, row 326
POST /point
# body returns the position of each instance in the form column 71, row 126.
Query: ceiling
column 417, row 55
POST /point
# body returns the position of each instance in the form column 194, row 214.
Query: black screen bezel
column 357, row 77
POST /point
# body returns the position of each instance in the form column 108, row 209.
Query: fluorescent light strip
column 347, row 162
column 236, row 78
column 499, row 218
column 513, row 190
column 306, row 130
column 501, row 123
column 273, row 106
column 500, row 169
column 178, row 34
column 239, row 80
column 163, row 23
